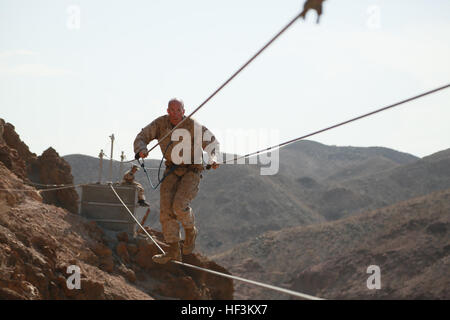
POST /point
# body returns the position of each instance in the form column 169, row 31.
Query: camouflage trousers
column 140, row 189
column 177, row 191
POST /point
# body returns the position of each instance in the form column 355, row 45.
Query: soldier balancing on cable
column 183, row 150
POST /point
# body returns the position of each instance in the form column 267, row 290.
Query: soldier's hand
column 143, row 154
column 214, row 165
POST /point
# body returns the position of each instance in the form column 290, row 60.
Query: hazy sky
column 70, row 87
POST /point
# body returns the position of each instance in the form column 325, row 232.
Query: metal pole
column 101, row 166
column 111, row 161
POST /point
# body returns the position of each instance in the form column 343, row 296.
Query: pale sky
column 70, row 88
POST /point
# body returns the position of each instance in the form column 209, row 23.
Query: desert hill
column 409, row 241
column 341, row 195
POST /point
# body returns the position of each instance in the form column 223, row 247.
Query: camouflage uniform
column 180, row 187
column 128, row 178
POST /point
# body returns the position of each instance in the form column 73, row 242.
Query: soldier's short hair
column 176, row 100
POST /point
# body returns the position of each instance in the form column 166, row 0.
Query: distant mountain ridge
column 321, row 162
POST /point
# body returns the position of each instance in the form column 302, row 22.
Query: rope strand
column 340, row 124
column 286, row 27
column 267, row 286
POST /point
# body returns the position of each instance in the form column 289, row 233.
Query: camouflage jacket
column 200, row 138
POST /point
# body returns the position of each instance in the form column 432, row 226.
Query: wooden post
column 122, row 157
column 111, row 159
column 101, row 166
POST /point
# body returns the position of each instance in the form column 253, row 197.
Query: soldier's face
column 176, row 112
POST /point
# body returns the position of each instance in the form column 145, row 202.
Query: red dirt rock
column 49, row 168
column 122, row 252
column 38, row 242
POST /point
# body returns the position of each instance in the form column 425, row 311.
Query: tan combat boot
column 173, row 253
column 189, row 242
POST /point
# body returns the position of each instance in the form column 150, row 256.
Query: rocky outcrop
column 12, row 139
column 12, row 189
column 179, row 282
column 49, row 168
column 14, row 154
column 40, row 242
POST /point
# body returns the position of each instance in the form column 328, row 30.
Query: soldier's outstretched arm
column 144, row 137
